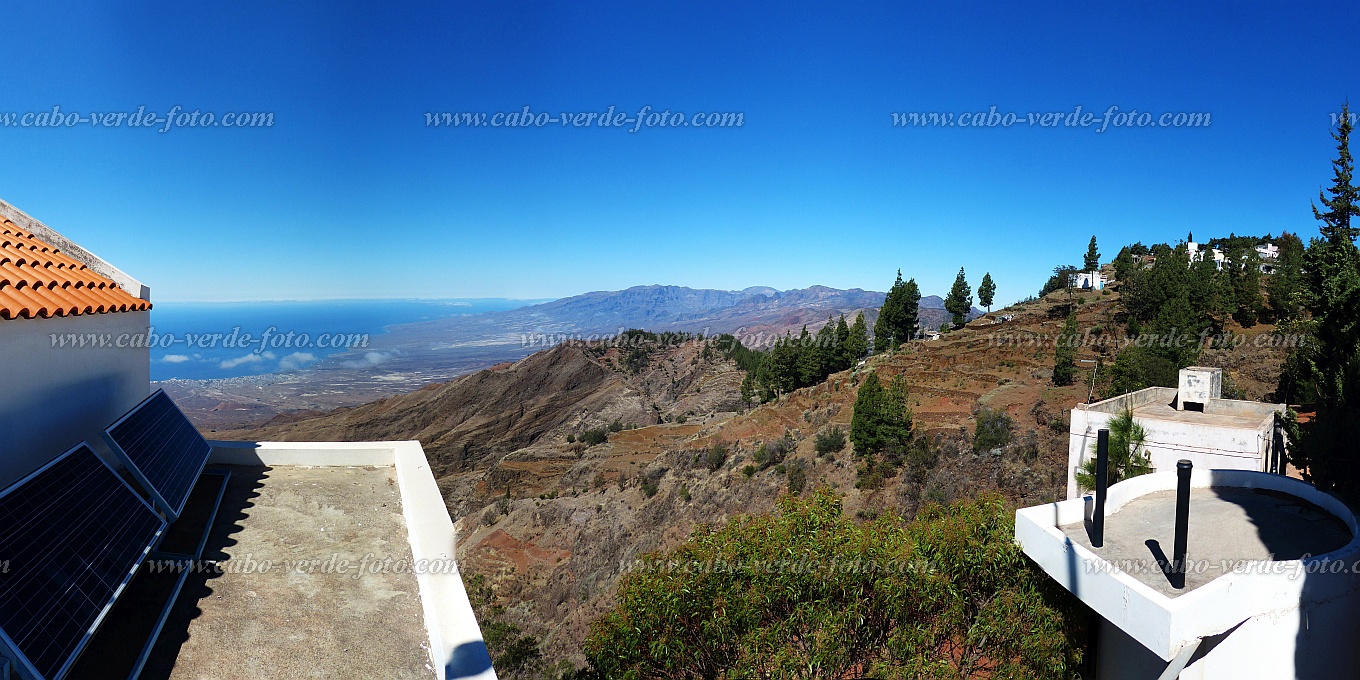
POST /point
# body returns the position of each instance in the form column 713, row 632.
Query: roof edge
column 27, row 222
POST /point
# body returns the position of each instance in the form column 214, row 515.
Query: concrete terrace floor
column 1228, row 526
column 287, row 623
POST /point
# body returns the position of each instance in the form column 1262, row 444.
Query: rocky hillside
column 551, row 522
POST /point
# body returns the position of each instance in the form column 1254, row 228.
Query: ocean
column 202, row 340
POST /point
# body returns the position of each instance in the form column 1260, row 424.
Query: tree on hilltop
column 960, row 299
column 899, row 315
column 857, row 341
column 1092, row 259
column 987, row 292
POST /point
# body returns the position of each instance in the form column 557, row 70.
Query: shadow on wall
column 1328, row 626
column 45, row 423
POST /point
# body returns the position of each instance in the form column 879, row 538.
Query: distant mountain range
column 409, row 356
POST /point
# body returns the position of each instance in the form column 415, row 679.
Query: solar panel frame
column 170, row 500
column 26, row 665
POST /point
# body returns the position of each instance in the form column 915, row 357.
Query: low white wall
column 1207, row 445
column 52, row 397
column 456, row 646
column 1299, row 619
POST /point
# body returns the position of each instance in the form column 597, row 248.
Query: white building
column 1192, row 422
column 1198, row 252
column 378, row 592
column 1089, row 281
column 61, row 382
column 1269, row 254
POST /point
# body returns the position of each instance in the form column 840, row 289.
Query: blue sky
column 349, row 194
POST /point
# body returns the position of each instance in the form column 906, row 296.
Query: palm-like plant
column 1128, row 455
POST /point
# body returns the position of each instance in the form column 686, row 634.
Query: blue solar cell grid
column 162, row 449
column 72, row 535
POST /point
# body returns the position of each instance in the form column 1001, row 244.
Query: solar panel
column 162, row 449
column 72, row 534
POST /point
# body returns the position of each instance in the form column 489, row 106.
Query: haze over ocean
column 191, row 327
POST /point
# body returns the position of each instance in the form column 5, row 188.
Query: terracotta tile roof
column 38, row 281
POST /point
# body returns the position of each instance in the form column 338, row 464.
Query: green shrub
column 947, row 595
column 748, row 470
column 993, row 430
column 830, row 441
column 595, row 435
column 716, row 456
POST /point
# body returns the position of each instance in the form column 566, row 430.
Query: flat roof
column 1229, row 526
column 322, row 605
column 1243, row 419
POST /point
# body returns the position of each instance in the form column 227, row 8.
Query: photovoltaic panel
column 72, row 534
column 162, row 449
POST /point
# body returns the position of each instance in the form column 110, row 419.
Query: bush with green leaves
column 716, row 456
column 1128, row 455
column 830, row 441
column 993, row 429
column 595, row 435
column 807, row 592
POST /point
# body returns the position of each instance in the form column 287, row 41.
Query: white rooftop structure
column 1270, row 588
column 1191, row 422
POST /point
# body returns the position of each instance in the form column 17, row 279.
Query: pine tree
column 987, row 292
column 857, row 344
column 864, row 421
column 1092, row 260
column 1329, row 366
column 911, row 312
column 1065, row 354
column 843, row 360
column 811, row 367
column 898, row 318
column 1284, row 289
column 959, row 302
column 881, row 419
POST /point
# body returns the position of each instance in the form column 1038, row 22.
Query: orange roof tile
column 39, row 281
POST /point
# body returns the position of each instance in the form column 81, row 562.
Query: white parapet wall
column 1285, row 619
column 1220, row 438
column 456, row 645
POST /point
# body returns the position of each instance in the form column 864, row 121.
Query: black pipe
column 1102, row 481
column 1183, row 468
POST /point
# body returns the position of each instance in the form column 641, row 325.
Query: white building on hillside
column 1089, row 281
column 1192, row 422
column 1269, row 254
column 1197, row 252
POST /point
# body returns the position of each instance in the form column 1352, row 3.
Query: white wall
column 1291, row 619
column 52, row 398
column 1207, row 445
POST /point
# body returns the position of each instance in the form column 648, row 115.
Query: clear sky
column 350, row 194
